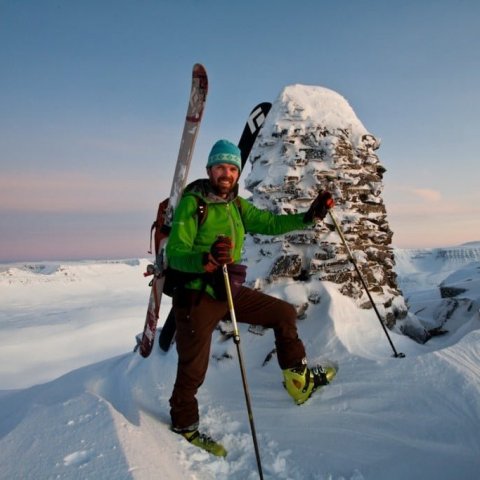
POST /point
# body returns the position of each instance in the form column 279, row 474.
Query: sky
column 93, row 96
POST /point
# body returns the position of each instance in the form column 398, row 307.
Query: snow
column 309, row 105
column 77, row 402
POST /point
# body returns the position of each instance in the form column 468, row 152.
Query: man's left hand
column 319, row 207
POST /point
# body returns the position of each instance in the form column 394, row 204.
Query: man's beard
column 224, row 185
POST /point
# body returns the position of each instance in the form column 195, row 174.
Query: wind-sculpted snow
column 108, row 415
column 61, row 316
column 442, row 289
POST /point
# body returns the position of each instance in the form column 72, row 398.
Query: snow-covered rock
column 313, row 140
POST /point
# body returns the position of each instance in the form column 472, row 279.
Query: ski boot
column 300, row 382
column 203, row 441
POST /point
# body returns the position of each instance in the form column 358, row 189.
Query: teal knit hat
column 225, row 152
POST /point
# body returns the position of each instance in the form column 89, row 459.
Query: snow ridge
column 109, row 418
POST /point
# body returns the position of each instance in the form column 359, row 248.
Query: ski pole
column 236, row 339
column 364, row 283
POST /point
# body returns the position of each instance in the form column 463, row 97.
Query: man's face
column 223, row 177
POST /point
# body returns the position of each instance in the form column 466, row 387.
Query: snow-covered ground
column 77, row 403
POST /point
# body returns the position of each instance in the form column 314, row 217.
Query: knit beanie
column 225, row 152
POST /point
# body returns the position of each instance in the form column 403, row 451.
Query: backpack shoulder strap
column 238, row 203
column 202, row 210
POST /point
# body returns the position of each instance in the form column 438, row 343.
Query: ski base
column 196, row 106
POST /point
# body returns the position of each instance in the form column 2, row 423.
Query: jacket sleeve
column 181, row 252
column 265, row 222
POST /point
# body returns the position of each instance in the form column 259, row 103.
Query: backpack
column 159, row 231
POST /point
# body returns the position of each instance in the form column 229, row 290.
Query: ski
column 250, row 132
column 252, row 128
column 196, row 105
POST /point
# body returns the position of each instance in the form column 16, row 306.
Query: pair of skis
column 196, row 106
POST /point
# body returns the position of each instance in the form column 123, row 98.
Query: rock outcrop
column 312, row 140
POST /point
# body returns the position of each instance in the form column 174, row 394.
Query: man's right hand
column 220, row 254
column 221, row 250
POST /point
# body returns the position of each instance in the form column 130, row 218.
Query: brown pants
column 197, row 315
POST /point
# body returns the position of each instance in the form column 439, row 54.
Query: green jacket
column 188, row 241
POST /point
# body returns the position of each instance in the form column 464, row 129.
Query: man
column 196, row 251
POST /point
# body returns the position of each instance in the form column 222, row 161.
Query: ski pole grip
column 221, row 250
